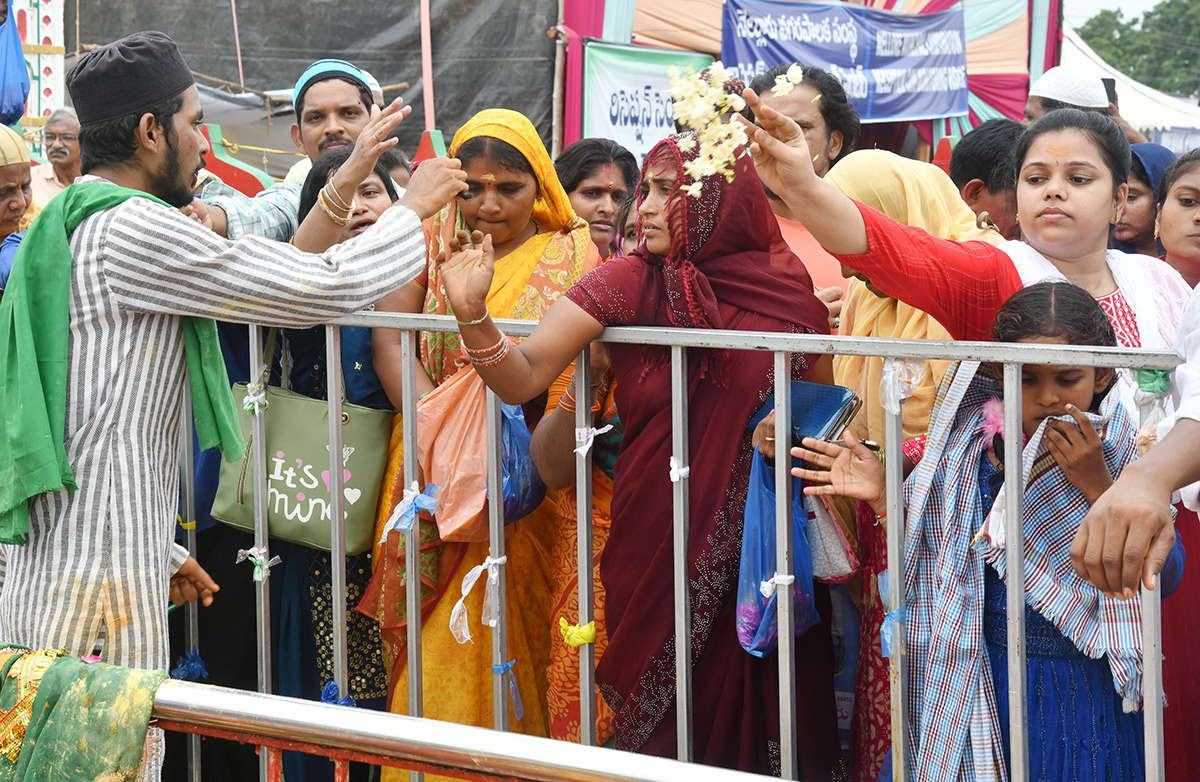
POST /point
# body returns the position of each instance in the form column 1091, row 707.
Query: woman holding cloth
column 515, row 199
column 713, row 261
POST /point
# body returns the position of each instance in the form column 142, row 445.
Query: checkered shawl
column 954, row 720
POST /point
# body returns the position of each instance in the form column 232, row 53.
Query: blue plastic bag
column 524, row 489
column 14, row 73
column 757, row 625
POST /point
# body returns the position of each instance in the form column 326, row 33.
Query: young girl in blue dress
column 1084, row 650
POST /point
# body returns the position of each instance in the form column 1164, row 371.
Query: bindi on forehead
column 1057, row 150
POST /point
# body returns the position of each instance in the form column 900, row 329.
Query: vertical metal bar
column 341, row 771
column 1014, row 559
column 1152, row 688
column 274, row 759
column 789, row 759
column 894, row 472
column 412, row 540
column 584, row 420
column 258, row 452
column 496, row 529
column 337, row 528
column 683, row 596
column 191, row 628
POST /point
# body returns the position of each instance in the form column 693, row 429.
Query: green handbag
column 297, row 433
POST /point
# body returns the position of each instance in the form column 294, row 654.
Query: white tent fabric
column 1143, row 107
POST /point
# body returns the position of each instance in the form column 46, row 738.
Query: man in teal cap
column 333, row 101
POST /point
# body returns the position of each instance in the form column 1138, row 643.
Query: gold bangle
column 329, row 212
column 336, row 197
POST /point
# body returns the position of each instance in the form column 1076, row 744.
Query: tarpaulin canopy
column 486, row 53
column 1144, row 107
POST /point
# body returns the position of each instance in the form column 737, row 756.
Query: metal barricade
column 182, row 706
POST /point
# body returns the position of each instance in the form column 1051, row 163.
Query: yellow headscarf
column 917, row 194
column 553, row 209
column 12, row 147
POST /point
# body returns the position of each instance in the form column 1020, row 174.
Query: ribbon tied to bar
column 261, row 562
column 459, row 626
column 190, row 667
column 330, row 692
column 255, row 399
column 897, row 381
column 887, row 631
column 405, row 514
column 678, row 473
column 585, row 437
column 767, row 588
column 514, row 693
column 576, row 635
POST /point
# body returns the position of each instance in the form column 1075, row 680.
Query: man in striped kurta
column 97, row 562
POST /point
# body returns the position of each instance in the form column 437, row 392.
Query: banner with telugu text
column 625, row 94
column 894, row 66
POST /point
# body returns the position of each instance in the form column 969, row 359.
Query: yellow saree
column 458, row 678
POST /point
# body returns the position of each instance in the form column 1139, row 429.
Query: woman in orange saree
column 515, row 196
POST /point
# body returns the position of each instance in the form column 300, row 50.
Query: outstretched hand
column 191, row 583
column 466, row 267
column 1126, row 536
column 372, row 142
column 853, row 471
column 778, row 147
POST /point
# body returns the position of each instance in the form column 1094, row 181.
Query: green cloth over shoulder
column 88, row 723
column 34, row 336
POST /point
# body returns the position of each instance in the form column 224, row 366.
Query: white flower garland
column 699, row 106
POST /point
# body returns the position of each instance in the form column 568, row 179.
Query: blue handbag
column 819, row 410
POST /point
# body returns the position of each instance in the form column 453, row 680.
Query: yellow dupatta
column 555, row 257
column 916, row 194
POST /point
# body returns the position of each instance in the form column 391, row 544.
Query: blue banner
column 893, row 66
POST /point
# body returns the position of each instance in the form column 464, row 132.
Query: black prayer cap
column 129, row 76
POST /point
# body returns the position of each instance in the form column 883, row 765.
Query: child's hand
column 1079, row 453
column 854, row 471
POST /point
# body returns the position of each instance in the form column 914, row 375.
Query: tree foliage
column 1161, row 48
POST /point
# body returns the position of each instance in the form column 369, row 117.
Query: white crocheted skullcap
column 1072, row 86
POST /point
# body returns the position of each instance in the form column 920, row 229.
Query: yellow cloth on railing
column 575, row 635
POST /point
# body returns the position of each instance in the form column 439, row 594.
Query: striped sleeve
column 156, row 260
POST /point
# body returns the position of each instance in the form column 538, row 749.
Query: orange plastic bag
column 452, row 453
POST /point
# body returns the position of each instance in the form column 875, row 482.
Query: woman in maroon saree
column 716, row 261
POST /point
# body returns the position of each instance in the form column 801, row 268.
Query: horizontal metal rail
column 410, row 742
column 999, row 352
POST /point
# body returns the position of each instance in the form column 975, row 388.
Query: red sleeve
column 961, row 284
column 609, row 293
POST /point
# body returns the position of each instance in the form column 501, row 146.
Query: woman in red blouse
column 1071, row 168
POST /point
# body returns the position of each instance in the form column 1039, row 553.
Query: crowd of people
column 137, row 278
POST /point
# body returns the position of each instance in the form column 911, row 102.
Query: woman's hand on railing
column 854, row 471
column 466, row 269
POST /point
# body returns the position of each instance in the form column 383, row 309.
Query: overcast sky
column 1076, row 12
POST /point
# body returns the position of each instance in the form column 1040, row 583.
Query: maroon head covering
column 725, row 246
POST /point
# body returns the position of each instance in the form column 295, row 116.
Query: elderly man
column 333, row 103
column 116, row 314
column 60, row 139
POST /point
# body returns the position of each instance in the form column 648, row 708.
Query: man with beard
column 60, row 139
column 333, row 103
column 107, row 312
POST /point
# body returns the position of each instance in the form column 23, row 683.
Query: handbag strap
column 285, row 364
